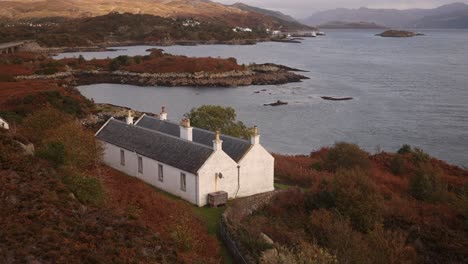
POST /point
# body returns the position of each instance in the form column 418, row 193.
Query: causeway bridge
column 11, row 47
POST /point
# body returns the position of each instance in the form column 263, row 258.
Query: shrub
column 53, row 152
column 35, row 126
column 346, row 156
column 356, row 197
column 303, row 253
column 387, row 246
column 427, row 184
column 419, row 156
column 337, row 235
column 397, row 165
column 86, row 189
column 81, row 148
column 405, row 149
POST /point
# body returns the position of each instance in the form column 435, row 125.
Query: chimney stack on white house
column 163, row 114
column 218, row 143
column 186, row 131
column 255, row 137
column 129, row 118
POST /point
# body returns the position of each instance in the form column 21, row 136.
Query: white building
column 185, row 161
column 4, row 124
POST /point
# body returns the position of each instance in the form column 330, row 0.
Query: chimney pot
column 218, row 143
column 255, row 137
column 129, row 118
column 186, row 131
column 163, row 114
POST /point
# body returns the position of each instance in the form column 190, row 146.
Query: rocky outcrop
column 399, row 34
column 263, row 74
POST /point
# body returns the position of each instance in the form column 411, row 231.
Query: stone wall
column 233, row 215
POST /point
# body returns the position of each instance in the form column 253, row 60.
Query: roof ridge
column 197, row 128
column 164, row 134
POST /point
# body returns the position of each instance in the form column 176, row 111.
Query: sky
column 304, row 8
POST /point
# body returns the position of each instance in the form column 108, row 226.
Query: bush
column 303, row 253
column 356, row 197
column 427, row 184
column 405, row 149
column 86, row 189
column 81, row 148
column 35, row 126
column 397, row 165
column 337, row 235
column 53, row 152
column 419, row 156
column 346, row 156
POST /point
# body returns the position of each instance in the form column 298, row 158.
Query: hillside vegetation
column 352, row 207
column 119, row 28
column 206, row 11
column 60, row 205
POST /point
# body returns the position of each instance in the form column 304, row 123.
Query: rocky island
column 399, row 34
column 157, row 69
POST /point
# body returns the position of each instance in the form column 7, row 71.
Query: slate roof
column 179, row 153
column 236, row 148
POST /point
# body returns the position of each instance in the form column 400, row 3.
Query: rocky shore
column 259, row 74
column 399, row 34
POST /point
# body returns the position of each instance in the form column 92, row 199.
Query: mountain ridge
column 387, row 17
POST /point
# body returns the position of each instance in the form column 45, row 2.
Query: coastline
column 259, row 74
column 113, row 46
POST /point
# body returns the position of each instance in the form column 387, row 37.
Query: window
column 160, row 173
column 183, row 182
column 122, row 157
column 140, row 164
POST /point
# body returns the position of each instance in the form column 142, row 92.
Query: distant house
column 4, row 124
column 185, row 161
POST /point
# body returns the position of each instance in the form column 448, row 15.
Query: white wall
column 219, row 162
column 4, row 124
column 171, row 183
column 257, row 172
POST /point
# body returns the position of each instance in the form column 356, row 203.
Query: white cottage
column 4, row 124
column 186, row 161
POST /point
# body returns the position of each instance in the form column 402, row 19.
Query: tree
column 214, row 118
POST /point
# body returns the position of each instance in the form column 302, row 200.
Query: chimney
column 255, row 137
column 129, row 118
column 163, row 114
column 186, row 131
column 218, row 143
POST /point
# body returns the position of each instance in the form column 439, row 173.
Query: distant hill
column 287, row 22
column 350, row 25
column 203, row 10
column 436, row 17
column 267, row 12
column 455, row 20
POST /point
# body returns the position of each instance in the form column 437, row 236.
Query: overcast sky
column 303, row 8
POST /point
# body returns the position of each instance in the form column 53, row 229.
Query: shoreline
column 258, row 74
column 114, row 46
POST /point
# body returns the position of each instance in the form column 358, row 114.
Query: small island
column 399, row 34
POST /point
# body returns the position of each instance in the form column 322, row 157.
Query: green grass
column 212, row 219
column 280, row 186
